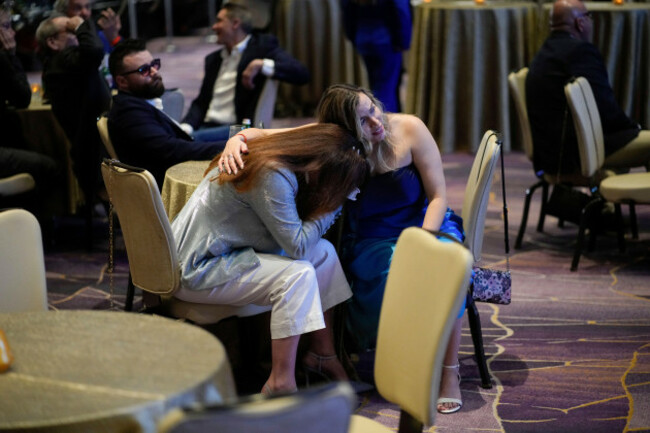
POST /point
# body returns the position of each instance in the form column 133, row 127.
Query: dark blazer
column 260, row 46
column 145, row 137
column 561, row 58
column 79, row 94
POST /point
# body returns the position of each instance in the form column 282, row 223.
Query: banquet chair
column 17, row 191
column 517, row 85
column 173, row 102
column 414, row 326
column 625, row 188
column 323, row 409
column 266, row 104
column 477, row 193
column 102, row 127
column 151, row 248
column 22, row 286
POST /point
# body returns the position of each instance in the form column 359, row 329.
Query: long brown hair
column 325, row 158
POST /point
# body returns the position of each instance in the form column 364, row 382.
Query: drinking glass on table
column 234, row 129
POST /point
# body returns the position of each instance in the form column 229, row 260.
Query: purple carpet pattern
column 571, row 353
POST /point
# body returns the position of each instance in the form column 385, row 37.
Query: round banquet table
column 180, row 182
column 92, row 371
column 458, row 67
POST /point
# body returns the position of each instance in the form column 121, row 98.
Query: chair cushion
column 16, row 184
column 627, row 187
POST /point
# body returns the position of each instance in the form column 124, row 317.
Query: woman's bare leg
column 321, row 345
column 449, row 386
column 283, row 365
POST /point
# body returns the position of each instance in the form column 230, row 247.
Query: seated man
column 235, row 75
column 567, row 53
column 141, row 133
column 72, row 54
column 108, row 21
column 15, row 92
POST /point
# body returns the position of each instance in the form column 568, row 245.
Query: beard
column 153, row 89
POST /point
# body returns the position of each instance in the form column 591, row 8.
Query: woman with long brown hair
column 255, row 237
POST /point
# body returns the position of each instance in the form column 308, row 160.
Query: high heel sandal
column 318, row 371
column 443, row 400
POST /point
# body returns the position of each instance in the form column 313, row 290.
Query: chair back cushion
column 22, row 267
column 147, row 234
column 326, row 409
column 586, row 120
column 173, row 102
column 517, row 84
column 426, row 283
column 102, row 127
column 477, row 192
column 17, row 184
column 266, row 104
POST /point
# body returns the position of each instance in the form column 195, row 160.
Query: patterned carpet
column 570, row 354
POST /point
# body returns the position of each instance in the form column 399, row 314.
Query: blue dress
column 388, row 203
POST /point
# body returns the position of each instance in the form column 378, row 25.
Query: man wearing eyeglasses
column 567, row 53
column 141, row 133
column 235, row 74
column 77, row 91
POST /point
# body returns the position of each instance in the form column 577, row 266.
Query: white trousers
column 298, row 290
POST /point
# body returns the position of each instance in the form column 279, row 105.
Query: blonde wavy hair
column 339, row 105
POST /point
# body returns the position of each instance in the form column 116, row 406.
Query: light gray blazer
column 219, row 230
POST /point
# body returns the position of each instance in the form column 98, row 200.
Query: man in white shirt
column 235, row 75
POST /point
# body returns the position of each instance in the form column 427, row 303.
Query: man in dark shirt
column 141, row 133
column 565, row 54
column 77, row 91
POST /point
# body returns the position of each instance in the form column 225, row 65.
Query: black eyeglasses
column 145, row 70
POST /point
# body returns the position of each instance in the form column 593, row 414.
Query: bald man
column 566, row 53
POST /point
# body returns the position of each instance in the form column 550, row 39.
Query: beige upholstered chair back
column 16, row 184
column 266, row 104
column 477, row 192
column 426, row 283
column 150, row 245
column 586, row 120
column 22, row 267
column 102, row 127
column 325, row 409
column 517, row 84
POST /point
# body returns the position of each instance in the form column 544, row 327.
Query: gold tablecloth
column 92, row 371
column 43, row 134
column 459, row 62
column 180, row 182
column 312, row 32
column 622, row 34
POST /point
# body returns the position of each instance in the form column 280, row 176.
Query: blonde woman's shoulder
column 406, row 125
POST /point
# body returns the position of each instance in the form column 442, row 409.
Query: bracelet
column 117, row 39
column 243, row 137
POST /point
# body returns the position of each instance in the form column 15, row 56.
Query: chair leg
column 584, row 222
column 619, row 228
column 477, row 339
column 542, row 211
column 524, row 216
column 408, row 424
column 633, row 226
column 130, row 292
